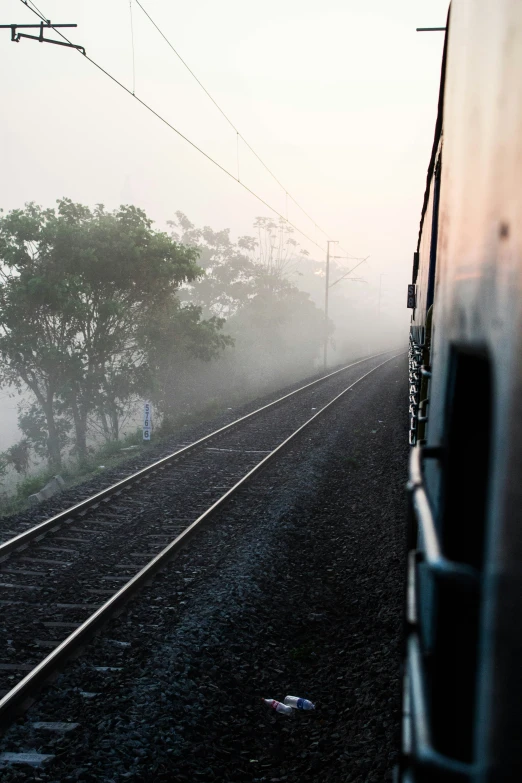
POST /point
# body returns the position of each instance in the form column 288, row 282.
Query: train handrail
column 432, row 555
column 420, row 759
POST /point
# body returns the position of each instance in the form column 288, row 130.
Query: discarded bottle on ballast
column 278, row 707
column 299, row 704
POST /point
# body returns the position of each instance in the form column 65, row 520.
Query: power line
column 227, row 118
column 239, row 135
column 132, row 42
column 233, row 126
column 350, row 270
column 288, row 195
column 37, row 11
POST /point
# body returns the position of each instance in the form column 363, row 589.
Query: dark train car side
column 463, row 672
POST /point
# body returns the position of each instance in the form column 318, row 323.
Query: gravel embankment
column 295, row 589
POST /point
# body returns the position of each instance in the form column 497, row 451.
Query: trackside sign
column 147, row 420
column 411, row 297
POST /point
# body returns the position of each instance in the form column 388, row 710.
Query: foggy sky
column 338, row 98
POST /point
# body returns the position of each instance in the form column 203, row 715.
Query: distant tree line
column 98, row 310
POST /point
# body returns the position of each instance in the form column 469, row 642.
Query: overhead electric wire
column 233, row 126
column 132, row 42
column 350, row 271
column 227, row 118
column 36, row 10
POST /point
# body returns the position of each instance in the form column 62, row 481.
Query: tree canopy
column 99, row 310
column 86, row 299
column 277, row 329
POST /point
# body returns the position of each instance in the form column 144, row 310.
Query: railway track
column 62, row 579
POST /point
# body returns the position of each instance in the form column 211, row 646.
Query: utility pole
column 326, row 289
column 16, row 37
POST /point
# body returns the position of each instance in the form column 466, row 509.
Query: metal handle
column 421, row 761
column 432, row 553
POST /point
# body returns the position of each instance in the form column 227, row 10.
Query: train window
column 467, row 466
column 462, row 522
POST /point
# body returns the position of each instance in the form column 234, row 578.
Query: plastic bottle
column 278, row 707
column 298, row 703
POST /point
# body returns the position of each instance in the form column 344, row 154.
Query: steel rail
column 10, row 704
column 73, row 511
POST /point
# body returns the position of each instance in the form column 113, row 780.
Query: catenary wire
column 132, row 42
column 233, row 126
column 37, row 11
column 345, row 276
column 227, row 118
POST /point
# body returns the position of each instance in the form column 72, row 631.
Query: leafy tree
column 33, row 424
column 18, row 456
column 249, row 284
column 34, row 334
column 281, row 326
column 235, row 273
column 230, row 271
column 172, row 337
column 277, row 250
column 79, row 288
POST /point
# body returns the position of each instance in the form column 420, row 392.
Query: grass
column 73, row 473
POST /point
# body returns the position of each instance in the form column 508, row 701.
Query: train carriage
column 463, row 650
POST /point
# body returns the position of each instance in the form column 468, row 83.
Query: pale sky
column 338, row 98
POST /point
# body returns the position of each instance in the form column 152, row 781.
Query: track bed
column 296, row 588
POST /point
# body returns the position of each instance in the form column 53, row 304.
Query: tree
column 230, row 270
column 18, row 456
column 277, row 251
column 281, row 326
column 34, row 334
column 78, row 291
column 172, row 337
column 248, row 283
column 236, row 273
column 32, row 422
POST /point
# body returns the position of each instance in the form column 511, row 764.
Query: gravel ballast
column 296, row 588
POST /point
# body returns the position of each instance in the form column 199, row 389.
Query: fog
column 338, row 99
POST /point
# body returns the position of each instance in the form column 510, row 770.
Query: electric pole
column 45, row 24
column 326, row 289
